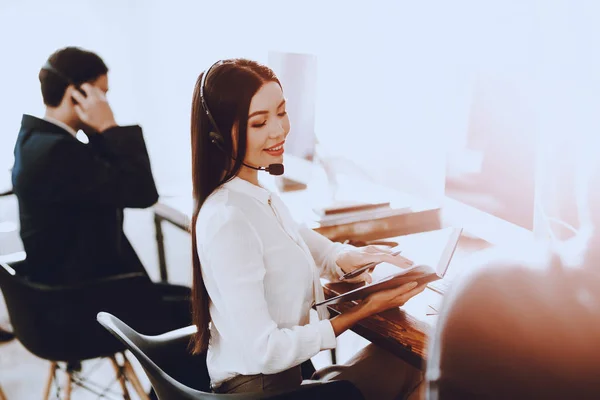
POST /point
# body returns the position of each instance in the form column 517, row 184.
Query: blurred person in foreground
column 527, row 325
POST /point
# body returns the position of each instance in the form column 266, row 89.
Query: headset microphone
column 273, row 169
column 217, row 139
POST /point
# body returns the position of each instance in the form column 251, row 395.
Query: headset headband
column 203, row 100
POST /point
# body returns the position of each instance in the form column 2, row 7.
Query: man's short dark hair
column 74, row 63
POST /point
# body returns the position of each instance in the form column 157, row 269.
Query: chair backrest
column 173, row 347
column 161, row 346
column 59, row 323
column 30, row 309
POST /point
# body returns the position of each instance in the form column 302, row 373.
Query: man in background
column 71, row 195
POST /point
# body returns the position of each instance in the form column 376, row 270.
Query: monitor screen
column 298, row 76
column 492, row 167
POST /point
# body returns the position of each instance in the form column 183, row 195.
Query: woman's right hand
column 391, row 298
column 374, row 304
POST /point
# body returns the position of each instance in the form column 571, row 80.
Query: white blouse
column 262, row 273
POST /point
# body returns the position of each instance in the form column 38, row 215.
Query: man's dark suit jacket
column 71, row 200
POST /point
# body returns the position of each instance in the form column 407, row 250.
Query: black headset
column 217, row 139
column 50, row 68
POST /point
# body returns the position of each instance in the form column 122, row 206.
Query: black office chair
column 164, row 356
column 58, row 324
column 5, row 336
column 2, row 395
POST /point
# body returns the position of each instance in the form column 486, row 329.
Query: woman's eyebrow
column 265, row 111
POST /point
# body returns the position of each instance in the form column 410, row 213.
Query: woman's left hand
column 351, row 259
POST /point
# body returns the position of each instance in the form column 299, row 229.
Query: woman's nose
column 278, row 129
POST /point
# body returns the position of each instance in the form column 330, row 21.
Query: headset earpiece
column 216, row 139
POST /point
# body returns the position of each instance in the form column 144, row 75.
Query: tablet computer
column 422, row 272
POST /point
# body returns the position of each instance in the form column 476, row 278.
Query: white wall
column 394, row 77
column 390, row 77
column 31, row 30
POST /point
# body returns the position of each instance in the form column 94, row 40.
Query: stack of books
column 348, row 213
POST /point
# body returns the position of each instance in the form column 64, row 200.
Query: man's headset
column 217, row 139
column 50, row 68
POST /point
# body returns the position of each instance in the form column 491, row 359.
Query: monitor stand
column 289, row 185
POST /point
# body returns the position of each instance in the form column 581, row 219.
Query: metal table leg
column 160, row 247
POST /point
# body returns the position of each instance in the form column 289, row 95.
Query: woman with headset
column 256, row 272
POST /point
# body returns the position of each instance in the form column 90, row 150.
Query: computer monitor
column 297, row 73
column 490, row 184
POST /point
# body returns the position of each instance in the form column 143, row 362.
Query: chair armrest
column 131, row 297
column 177, row 334
column 113, row 282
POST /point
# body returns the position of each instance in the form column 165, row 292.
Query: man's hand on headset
column 93, row 109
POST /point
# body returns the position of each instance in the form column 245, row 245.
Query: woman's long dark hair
column 228, row 91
